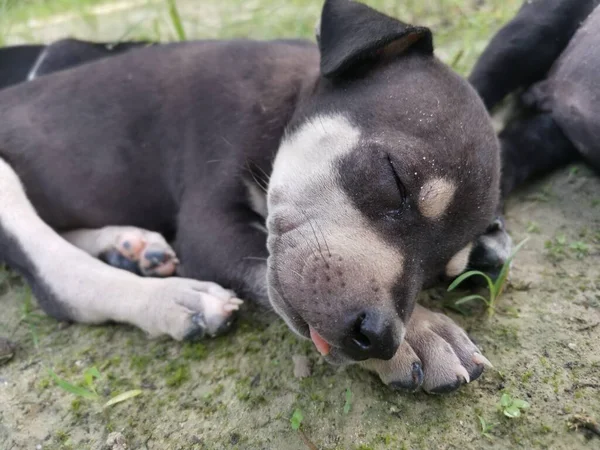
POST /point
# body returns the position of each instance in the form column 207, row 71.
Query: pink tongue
column 322, row 346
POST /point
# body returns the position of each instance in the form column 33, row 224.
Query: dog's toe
column 115, row 258
column 411, row 383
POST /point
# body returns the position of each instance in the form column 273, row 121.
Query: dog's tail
column 26, row 62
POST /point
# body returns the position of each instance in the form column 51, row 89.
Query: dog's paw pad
column 158, row 260
column 143, row 253
column 130, row 244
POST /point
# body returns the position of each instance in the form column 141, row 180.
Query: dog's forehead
column 416, row 102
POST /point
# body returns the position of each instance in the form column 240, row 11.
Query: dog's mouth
column 329, row 351
column 322, row 345
column 301, row 327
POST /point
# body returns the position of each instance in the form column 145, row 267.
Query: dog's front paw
column 143, row 253
column 492, row 249
column 187, row 309
column 436, row 355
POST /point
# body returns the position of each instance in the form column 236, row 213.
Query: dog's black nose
column 371, row 334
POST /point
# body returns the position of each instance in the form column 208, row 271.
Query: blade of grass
column 470, row 274
column 89, row 375
column 71, row 388
column 122, row 397
column 176, row 19
column 469, row 298
column 499, row 285
column 348, row 403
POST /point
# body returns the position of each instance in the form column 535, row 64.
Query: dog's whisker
column 297, row 273
column 324, row 239
column 316, row 239
column 310, row 243
column 262, row 184
column 265, row 174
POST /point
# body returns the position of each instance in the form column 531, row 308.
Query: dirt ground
column 239, row 391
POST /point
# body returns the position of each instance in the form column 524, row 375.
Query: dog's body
column 26, row 62
column 380, row 165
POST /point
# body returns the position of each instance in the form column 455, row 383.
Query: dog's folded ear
column 352, row 36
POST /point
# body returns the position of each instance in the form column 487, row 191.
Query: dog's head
column 386, row 175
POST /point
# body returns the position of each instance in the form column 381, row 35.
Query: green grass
column 495, row 287
column 23, row 10
column 87, row 389
column 459, row 40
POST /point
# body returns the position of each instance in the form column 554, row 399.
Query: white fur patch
column 306, row 157
column 459, row 262
column 435, row 197
column 304, row 189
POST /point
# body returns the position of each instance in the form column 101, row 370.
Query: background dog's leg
column 523, row 51
column 134, row 249
column 234, row 256
column 532, row 146
column 72, row 285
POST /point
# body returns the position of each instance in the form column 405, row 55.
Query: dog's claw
column 416, row 379
column 231, row 307
column 462, row 373
column 478, row 358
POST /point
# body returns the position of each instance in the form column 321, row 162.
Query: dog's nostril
column 360, row 340
column 371, row 335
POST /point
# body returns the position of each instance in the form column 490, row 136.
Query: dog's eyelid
column 399, row 183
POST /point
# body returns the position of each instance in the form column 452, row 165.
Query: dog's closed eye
column 400, row 186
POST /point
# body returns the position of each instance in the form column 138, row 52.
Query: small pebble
column 116, row 441
column 301, row 366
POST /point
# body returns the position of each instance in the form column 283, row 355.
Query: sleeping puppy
column 329, row 182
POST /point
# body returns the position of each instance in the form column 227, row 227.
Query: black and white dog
column 330, row 182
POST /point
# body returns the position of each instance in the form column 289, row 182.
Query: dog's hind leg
column 134, row 249
column 72, row 285
column 524, row 49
